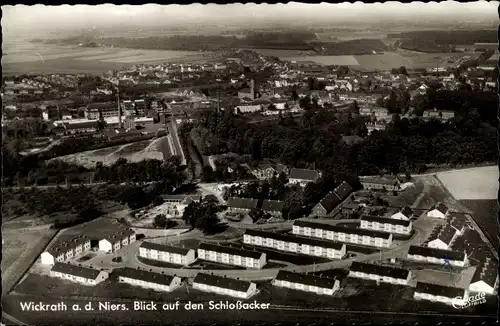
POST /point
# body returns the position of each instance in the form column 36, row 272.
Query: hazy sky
column 19, row 16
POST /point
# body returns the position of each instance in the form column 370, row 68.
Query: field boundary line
column 23, row 274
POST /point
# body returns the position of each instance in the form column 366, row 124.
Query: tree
column 403, row 71
column 160, row 221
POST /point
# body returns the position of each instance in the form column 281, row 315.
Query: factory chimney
column 119, row 108
column 252, row 88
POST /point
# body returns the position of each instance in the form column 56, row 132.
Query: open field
column 24, row 57
column 20, row 249
column 132, row 148
column 471, row 184
column 383, row 61
column 341, row 60
column 147, row 149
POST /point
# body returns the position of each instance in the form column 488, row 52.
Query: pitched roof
column 244, row 203
column 165, row 248
column 295, row 239
column 222, row 282
column 439, row 207
column 306, row 279
column 341, row 229
column 436, row 253
column 407, row 211
column 379, row 270
column 181, row 198
column 304, row 174
column 458, row 220
column 330, row 201
column 118, row 235
column 487, row 272
column 272, row 205
column 62, row 247
column 142, row 275
column 78, row 271
column 386, row 180
column 446, row 234
column 230, row 250
column 343, row 190
column 385, row 220
column 434, row 289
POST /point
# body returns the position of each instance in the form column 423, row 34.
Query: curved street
column 129, row 256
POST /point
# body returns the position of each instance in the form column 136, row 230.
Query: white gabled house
column 117, row 240
column 225, row 286
column 147, row 279
column 61, row 252
column 78, row 274
column 307, row 283
column 438, row 211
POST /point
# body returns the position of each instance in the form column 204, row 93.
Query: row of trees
column 316, row 138
column 169, row 171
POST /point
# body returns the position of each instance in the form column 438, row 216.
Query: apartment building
column 307, row 283
column 299, row 245
column 386, row 224
column 147, row 279
column 458, row 221
column 437, row 256
column 166, row 253
column 60, row 252
column 380, row 273
column 231, row 256
column 78, row 274
column 225, row 286
column 439, row 293
column 117, row 240
column 342, row 234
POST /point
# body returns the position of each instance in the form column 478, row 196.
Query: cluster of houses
column 69, row 249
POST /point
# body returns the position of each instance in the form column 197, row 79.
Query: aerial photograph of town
column 250, row 164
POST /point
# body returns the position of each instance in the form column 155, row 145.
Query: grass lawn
column 431, row 197
column 271, row 265
column 105, row 151
column 361, row 249
column 213, row 266
column 49, row 287
column 158, row 263
column 133, row 148
column 189, row 243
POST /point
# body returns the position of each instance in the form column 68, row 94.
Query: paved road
column 129, row 256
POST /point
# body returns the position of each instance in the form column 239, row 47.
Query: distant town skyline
column 107, row 15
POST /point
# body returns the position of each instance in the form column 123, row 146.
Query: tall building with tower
column 248, row 93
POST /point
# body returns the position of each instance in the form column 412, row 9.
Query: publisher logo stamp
column 461, row 303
